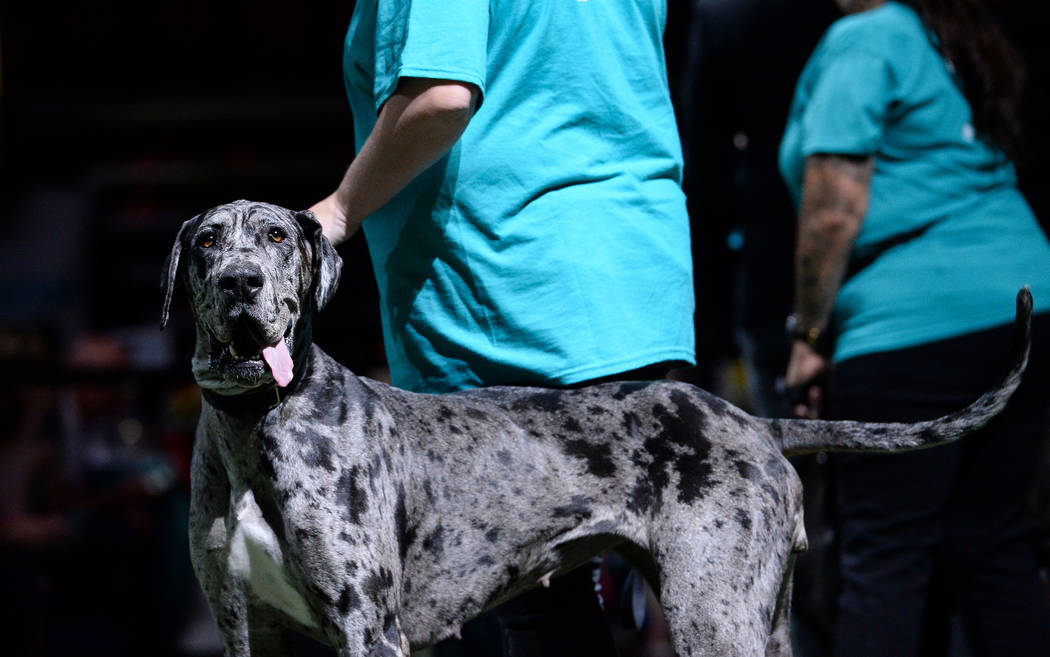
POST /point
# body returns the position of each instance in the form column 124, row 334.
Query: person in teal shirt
column 518, row 178
column 548, row 243
column 878, row 85
column 913, row 240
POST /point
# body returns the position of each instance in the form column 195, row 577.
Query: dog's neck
column 268, row 397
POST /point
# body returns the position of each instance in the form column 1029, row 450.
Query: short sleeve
column 847, row 108
column 439, row 39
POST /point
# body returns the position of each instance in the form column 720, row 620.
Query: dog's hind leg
column 780, row 635
column 707, row 619
column 780, row 638
column 703, row 595
column 721, row 581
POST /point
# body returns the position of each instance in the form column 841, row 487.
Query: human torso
column 551, row 244
column 948, row 239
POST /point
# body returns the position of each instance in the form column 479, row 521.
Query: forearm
column 417, row 126
column 834, row 201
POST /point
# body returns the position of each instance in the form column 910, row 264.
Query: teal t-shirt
column 948, row 239
column 551, row 245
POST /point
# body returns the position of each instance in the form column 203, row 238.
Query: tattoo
column 834, row 201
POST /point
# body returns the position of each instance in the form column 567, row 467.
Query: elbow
column 835, row 193
column 453, row 100
column 839, row 222
column 450, row 105
column 829, row 226
column 435, row 111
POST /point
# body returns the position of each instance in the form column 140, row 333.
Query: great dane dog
column 378, row 520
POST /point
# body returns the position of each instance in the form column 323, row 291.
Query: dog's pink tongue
column 280, row 362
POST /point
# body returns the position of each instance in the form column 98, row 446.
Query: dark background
column 121, row 119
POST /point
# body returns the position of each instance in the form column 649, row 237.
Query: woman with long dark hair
column 912, row 241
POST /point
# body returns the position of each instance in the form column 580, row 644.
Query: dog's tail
column 802, row 436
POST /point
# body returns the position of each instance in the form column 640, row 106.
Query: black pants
column 948, row 522
column 564, row 620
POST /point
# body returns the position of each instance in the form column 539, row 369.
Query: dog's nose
column 241, row 282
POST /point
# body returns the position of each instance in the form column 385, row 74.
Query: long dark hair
column 991, row 71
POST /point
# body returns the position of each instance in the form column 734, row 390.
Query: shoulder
column 891, row 31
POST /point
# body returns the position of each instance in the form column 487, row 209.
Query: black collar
column 269, row 397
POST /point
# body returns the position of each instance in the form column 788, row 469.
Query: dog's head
column 253, row 273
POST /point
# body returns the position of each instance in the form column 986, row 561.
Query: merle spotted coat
column 378, row 520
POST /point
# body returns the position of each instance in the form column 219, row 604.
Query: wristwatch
column 820, row 340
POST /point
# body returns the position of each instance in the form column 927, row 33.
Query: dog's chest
column 256, row 559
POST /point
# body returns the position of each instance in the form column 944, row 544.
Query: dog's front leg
column 392, row 643
column 357, row 593
column 209, row 546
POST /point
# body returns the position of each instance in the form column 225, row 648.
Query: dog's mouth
column 248, row 355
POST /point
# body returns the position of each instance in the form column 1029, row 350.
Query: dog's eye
column 277, row 235
column 206, row 239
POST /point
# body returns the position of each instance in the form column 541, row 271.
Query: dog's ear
column 326, row 265
column 170, row 274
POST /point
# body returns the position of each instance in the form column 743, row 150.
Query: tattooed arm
column 834, row 201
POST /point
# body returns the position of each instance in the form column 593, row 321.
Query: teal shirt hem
column 609, row 368
column 457, row 75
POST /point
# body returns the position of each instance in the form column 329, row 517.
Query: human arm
column 835, row 191
column 416, row 126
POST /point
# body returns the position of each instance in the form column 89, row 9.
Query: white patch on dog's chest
column 256, row 559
